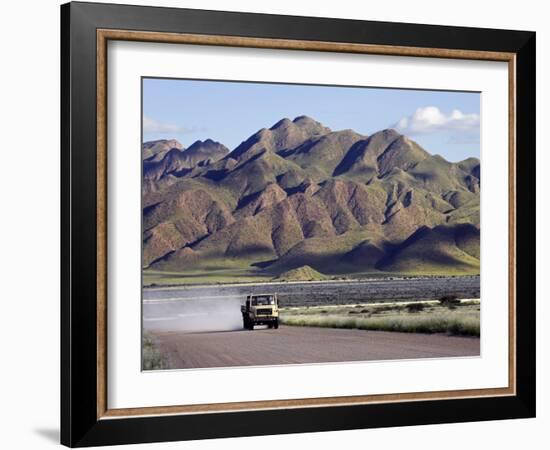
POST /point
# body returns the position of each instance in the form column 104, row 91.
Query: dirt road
column 295, row 345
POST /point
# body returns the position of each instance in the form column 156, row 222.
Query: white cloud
column 154, row 126
column 430, row 119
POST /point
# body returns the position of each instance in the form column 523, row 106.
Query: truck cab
column 260, row 309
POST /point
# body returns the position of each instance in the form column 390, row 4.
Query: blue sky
column 446, row 123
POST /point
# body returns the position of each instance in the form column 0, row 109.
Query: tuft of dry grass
column 151, row 357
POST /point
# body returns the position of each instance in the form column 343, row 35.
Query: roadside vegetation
column 151, row 357
column 448, row 315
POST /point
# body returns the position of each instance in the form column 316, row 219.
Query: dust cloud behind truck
column 260, row 309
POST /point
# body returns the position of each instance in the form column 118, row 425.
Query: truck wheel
column 276, row 324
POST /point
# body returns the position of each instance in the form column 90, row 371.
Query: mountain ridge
column 300, row 194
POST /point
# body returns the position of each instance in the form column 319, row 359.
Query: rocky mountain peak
column 284, row 135
column 311, row 125
column 283, row 123
column 155, row 150
column 206, row 147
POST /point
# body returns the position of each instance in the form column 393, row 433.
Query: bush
column 415, row 307
column 450, row 301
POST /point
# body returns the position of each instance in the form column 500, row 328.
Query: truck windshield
column 263, row 300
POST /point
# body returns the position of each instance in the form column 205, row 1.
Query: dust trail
column 205, row 313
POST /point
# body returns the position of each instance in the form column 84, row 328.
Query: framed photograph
column 277, row 224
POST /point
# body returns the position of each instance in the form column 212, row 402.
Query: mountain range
column 301, row 195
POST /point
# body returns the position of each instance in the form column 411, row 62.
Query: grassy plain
column 462, row 318
column 227, row 274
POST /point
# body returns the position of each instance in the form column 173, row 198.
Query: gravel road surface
column 303, row 345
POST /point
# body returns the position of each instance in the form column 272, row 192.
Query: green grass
column 151, row 358
column 464, row 320
column 420, row 268
column 212, row 273
column 218, row 271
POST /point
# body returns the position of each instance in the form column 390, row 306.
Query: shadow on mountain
column 215, row 175
column 263, row 264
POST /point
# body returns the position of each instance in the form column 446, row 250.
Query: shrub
column 415, row 307
column 450, row 301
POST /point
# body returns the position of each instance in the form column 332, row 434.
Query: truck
column 260, row 309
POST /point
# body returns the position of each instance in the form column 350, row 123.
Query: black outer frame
column 79, row 423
